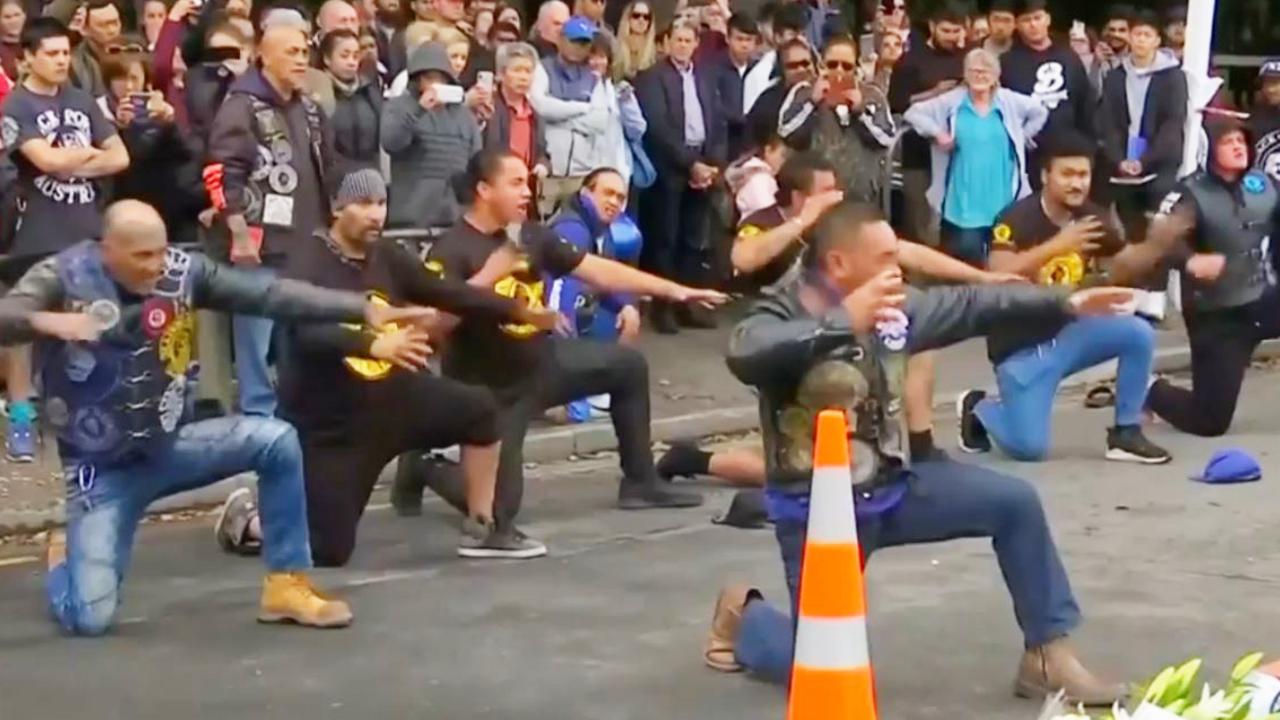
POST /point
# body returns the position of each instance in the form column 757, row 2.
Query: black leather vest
column 1236, row 222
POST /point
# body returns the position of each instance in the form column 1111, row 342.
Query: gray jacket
column 803, row 361
column 427, row 149
column 1023, row 115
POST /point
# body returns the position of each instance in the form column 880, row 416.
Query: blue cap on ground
column 1231, row 465
column 579, row 28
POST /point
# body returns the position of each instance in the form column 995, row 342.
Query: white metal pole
column 1200, row 87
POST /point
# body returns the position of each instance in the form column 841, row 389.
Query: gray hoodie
column 1136, row 82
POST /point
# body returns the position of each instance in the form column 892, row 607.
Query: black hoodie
column 1057, row 78
column 235, row 142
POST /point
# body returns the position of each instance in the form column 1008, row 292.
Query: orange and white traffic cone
column 831, row 673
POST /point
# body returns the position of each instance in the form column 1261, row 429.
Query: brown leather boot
column 717, row 651
column 1049, row 668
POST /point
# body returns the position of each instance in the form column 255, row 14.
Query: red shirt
column 521, row 139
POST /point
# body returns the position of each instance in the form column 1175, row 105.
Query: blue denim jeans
column 251, row 336
column 105, row 505
column 948, row 500
column 1019, row 421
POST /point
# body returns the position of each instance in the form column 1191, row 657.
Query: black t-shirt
column 751, row 227
column 1264, row 128
column 500, row 355
column 54, row 213
column 1056, row 77
column 1024, row 225
column 328, row 384
column 921, row 69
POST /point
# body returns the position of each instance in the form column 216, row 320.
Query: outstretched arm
column 613, row 276
column 944, row 316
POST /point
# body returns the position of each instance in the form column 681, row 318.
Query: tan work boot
column 290, row 597
column 55, row 551
column 717, row 651
column 1049, row 668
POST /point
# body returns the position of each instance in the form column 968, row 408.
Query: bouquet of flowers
column 1249, row 695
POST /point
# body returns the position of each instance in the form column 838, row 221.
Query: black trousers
column 573, row 369
column 406, row 412
column 674, row 220
column 1222, row 344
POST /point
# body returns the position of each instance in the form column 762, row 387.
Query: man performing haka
column 839, row 336
column 528, row 370
column 360, row 398
column 115, row 325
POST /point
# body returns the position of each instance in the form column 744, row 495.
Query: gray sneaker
column 487, row 541
column 232, row 528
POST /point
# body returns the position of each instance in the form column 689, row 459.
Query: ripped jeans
column 105, row 505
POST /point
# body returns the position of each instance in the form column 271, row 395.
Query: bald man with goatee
column 266, row 122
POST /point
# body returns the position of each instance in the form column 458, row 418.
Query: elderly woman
column 514, row 125
column 979, row 132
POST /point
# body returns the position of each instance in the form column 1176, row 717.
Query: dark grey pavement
column 609, row 627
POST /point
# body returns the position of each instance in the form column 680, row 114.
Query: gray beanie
column 360, row 186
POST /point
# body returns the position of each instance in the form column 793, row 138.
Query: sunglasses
column 840, row 65
column 120, row 49
column 799, row 65
column 641, row 16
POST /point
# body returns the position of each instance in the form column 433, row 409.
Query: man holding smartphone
column 269, row 151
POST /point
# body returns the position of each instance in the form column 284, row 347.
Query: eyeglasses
column 840, row 65
column 119, row 49
column 799, row 65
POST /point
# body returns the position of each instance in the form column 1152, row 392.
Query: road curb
column 559, row 443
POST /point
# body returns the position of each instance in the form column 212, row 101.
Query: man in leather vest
column 839, row 336
column 1216, row 226
column 115, row 322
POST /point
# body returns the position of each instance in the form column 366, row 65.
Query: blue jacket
column 578, row 223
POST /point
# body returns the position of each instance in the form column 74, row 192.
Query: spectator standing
column 386, row 23
column 267, row 121
column 336, row 15
column 845, row 122
column 1264, row 120
column 1001, row 23
column 504, row 33
column 788, row 24
column 637, row 47
column 592, row 10
column 1175, row 30
column 399, row 49
column 1053, row 74
column 547, row 31
column 687, row 139
column 1142, row 119
column 154, row 13
column 575, row 116
column 102, row 30
column 979, row 30
column 1114, row 46
column 429, row 140
column 158, row 156
column 797, row 63
column 508, row 14
column 515, row 126
column 353, row 101
column 730, row 67
column 1082, row 41
column 12, row 18
column 227, row 53
column 888, row 55
column 927, row 71
column 979, row 133
column 62, row 145
column 625, row 124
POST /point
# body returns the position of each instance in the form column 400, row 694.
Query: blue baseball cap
column 578, row 28
column 1231, row 465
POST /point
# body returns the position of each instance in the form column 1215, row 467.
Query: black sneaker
column 1126, row 443
column 973, row 437
column 481, row 541
column 651, row 495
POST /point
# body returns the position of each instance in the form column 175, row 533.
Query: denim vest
column 121, row 398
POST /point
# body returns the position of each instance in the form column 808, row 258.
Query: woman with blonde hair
column 637, row 47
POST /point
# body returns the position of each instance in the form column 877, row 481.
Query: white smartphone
column 484, row 79
column 449, row 94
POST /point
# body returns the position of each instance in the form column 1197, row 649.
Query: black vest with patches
column 1235, row 221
